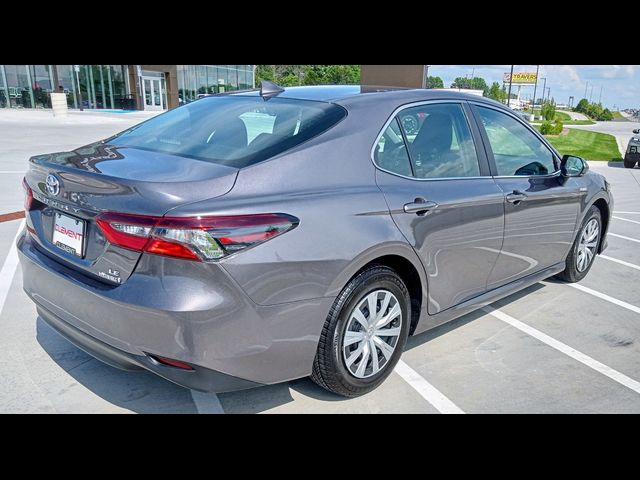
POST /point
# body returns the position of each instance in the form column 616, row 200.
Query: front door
column 442, row 198
column 153, row 94
column 541, row 207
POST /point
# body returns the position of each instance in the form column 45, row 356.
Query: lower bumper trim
column 200, row 378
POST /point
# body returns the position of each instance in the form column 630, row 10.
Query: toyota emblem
column 53, row 185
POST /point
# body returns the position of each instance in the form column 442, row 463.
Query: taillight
column 28, row 195
column 193, row 238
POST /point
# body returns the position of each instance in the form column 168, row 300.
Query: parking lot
column 552, row 348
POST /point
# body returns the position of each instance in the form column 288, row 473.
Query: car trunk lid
column 72, row 188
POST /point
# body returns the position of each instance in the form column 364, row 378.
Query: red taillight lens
column 28, row 198
column 128, row 231
column 197, row 238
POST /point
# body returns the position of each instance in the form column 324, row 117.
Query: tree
column 435, row 82
column 606, row 116
column 496, row 92
column 549, row 110
column 290, row 75
column 475, row 83
column 582, row 107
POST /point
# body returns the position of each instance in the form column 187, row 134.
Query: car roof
column 345, row 94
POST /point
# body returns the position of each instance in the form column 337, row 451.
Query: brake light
column 193, row 238
column 28, row 199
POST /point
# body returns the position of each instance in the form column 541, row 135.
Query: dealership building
column 128, row 87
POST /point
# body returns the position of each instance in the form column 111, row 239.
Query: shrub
column 546, row 128
column 558, row 127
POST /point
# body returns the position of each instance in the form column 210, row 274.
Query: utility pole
column 76, row 68
column 510, row 83
column 535, row 90
column 600, row 101
column 591, row 95
column 426, row 76
column 549, row 94
column 585, row 89
column 544, row 89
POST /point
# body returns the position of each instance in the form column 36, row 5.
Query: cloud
column 567, row 73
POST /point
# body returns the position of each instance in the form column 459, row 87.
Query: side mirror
column 636, row 131
column 572, row 166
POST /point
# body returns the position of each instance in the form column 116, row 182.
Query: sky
column 620, row 83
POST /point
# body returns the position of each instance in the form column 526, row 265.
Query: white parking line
column 208, row 403
column 626, row 213
column 12, row 171
column 623, row 237
column 9, row 269
column 427, row 391
column 621, row 262
column 605, row 297
column 627, row 220
column 592, row 363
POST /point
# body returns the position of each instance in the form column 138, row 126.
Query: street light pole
column 510, row 83
column 535, row 90
column 591, row 95
column 600, row 101
column 585, row 89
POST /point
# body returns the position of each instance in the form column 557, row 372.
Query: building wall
column 115, row 86
column 411, row 76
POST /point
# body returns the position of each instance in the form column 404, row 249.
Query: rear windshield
column 233, row 130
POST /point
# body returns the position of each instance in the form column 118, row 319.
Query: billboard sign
column 523, row 78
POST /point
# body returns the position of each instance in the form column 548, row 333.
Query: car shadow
column 616, row 163
column 144, row 392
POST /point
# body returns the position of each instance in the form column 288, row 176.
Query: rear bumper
column 188, row 311
column 200, row 378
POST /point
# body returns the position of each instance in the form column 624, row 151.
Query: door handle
column 420, row 207
column 516, row 197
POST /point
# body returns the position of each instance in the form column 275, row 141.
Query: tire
column 331, row 368
column 575, row 270
column 629, row 163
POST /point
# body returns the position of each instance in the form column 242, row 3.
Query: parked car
column 632, row 155
column 258, row 237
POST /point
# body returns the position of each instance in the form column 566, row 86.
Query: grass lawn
column 566, row 119
column 617, row 115
column 588, row 145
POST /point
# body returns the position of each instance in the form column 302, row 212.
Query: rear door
column 541, row 207
column 441, row 196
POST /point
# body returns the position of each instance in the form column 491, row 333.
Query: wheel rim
column 372, row 334
column 588, row 246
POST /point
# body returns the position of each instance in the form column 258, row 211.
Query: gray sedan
column 262, row 236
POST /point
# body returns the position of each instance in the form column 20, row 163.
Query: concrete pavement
column 25, row 133
column 479, row 363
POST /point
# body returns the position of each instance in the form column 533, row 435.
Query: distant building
column 136, row 87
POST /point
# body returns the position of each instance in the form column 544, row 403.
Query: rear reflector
column 172, row 363
column 193, row 238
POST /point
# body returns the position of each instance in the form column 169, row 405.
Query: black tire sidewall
column 338, row 378
column 573, row 275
